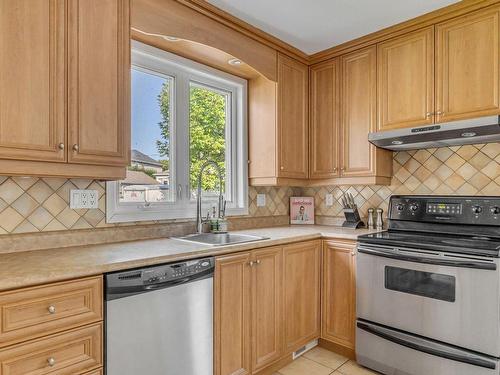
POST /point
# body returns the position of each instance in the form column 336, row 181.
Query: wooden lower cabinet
column 68, row 353
column 266, row 306
column 301, row 288
column 339, row 294
column 267, row 312
column 42, row 310
column 232, row 301
column 95, row 372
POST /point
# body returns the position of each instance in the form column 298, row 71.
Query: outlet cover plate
column 83, row 199
column 261, row 200
column 329, row 200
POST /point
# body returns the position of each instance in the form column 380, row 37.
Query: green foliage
column 207, row 120
column 163, row 146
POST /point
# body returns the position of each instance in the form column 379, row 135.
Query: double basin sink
column 220, row 239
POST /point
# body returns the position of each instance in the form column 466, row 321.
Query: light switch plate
column 83, row 199
column 329, row 200
column 261, row 200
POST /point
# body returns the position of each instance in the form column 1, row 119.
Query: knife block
column 352, row 219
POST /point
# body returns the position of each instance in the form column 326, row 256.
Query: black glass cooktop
column 473, row 245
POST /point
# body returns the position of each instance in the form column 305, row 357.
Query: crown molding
column 245, row 28
column 428, row 19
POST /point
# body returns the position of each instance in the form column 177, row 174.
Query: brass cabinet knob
column 251, row 263
column 439, row 113
column 353, row 253
column 52, row 309
column 76, row 147
column 61, row 146
column 51, row 361
column 257, row 261
column 335, row 169
column 282, row 167
column 428, row 114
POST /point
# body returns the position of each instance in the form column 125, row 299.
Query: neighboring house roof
column 138, row 178
column 139, row 157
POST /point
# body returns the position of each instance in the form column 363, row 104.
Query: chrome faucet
column 199, row 220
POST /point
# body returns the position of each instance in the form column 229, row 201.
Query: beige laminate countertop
column 21, row 269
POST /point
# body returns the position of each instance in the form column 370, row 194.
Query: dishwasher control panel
column 124, row 283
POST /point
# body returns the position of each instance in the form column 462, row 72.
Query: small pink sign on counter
column 302, row 210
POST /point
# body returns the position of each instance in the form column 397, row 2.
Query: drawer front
column 70, row 353
column 39, row 311
column 95, row 372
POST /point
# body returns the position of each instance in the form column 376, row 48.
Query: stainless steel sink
column 220, row 239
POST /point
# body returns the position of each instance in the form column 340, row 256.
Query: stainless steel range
column 428, row 288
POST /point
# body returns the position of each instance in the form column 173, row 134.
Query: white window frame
column 184, row 72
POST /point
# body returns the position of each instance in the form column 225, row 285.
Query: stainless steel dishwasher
column 159, row 320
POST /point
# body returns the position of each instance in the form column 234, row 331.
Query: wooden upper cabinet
column 324, row 115
column 99, row 70
column 32, row 80
column 232, row 301
column 358, row 112
column 267, row 312
column 339, row 293
column 467, row 70
column 406, row 80
column 292, row 118
column 301, row 283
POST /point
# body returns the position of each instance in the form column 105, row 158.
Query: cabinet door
column 99, row 80
column 406, row 80
column 292, row 118
column 468, row 66
column 339, row 293
column 232, row 315
column 301, row 284
column 32, row 80
column 358, row 112
column 267, row 312
column 325, row 114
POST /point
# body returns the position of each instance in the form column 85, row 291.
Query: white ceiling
column 315, row 25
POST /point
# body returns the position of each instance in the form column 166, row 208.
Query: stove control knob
column 400, row 207
column 477, row 209
column 495, row 210
column 414, row 207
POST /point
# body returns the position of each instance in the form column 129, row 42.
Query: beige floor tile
column 326, row 358
column 304, row 366
column 352, row 368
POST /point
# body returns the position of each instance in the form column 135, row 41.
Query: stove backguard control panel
column 453, row 210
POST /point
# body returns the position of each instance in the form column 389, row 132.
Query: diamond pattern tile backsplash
column 459, row 170
column 30, row 204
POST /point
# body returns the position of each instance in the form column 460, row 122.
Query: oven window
column 425, row 284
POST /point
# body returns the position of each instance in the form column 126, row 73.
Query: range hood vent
column 464, row 132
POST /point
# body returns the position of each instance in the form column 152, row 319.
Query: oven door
column 450, row 298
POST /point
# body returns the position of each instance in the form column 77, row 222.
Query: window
column 183, row 114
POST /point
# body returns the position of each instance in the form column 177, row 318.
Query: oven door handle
column 428, row 346
column 427, row 260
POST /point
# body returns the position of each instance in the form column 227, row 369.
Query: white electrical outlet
column 261, row 200
column 329, row 200
column 83, row 199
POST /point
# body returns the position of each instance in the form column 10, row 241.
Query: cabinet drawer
column 39, row 311
column 95, row 372
column 68, row 353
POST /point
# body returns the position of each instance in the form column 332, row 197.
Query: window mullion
column 182, row 139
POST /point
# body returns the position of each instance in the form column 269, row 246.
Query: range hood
column 463, row 132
